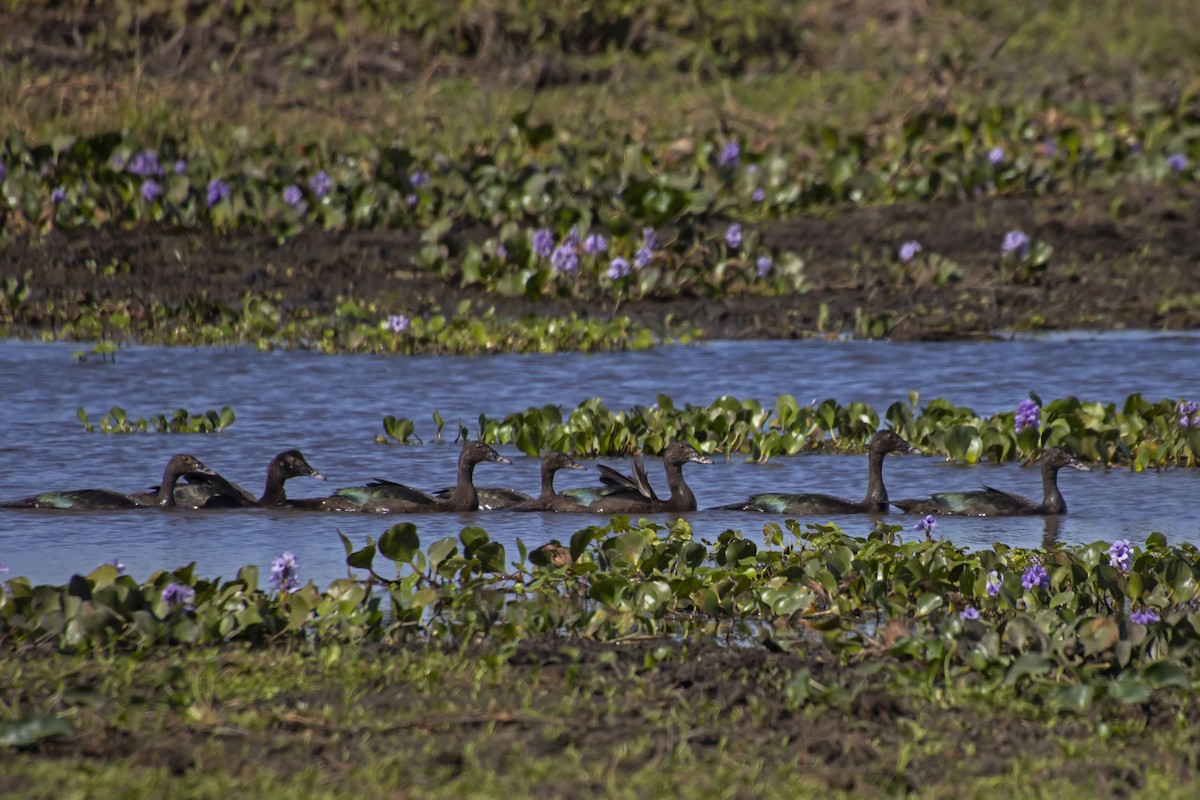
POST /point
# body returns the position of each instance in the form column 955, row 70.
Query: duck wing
column 380, row 489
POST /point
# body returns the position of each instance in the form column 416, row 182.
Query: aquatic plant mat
column 638, row 662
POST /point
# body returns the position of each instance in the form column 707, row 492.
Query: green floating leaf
column 1030, row 664
column 400, row 542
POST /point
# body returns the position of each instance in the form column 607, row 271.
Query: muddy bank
column 1121, row 260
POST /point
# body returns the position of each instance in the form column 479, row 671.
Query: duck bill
column 501, row 460
column 1080, row 467
column 702, row 459
column 316, row 475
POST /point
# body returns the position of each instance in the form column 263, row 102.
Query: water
column 331, row 407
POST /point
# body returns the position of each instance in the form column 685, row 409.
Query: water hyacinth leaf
column 363, row 558
column 1098, row 635
column 472, row 537
column 1030, row 664
column 442, row 549
column 32, row 729
column 491, row 556
column 1075, row 699
column 400, row 542
column 1167, row 673
column 928, row 602
column 1129, row 688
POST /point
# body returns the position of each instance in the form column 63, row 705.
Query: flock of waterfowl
column 188, row 483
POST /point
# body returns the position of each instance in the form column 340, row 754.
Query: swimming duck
column 551, row 555
column 635, row 495
column 177, row 467
column 990, row 502
column 875, row 502
column 548, row 500
column 465, row 497
column 214, row 491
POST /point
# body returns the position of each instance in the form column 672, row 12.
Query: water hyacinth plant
column 285, row 572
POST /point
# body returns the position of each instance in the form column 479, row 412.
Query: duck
column 548, row 500
column 634, row 495
column 163, row 495
column 551, row 555
column 464, row 498
column 989, row 502
column 875, row 501
column 215, row 491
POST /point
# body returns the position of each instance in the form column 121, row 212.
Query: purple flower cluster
column 1177, row 162
column 1120, row 555
column 994, row 583
column 969, row 613
column 645, row 253
column 1027, row 415
column 119, row 564
column 763, row 266
column 285, row 572
column 926, row 525
column 294, row 197
column 151, row 190
column 908, row 251
column 180, row 167
column 218, row 190
column 758, row 195
column 618, row 268
column 595, row 244
column 177, row 595
column 1188, row 416
column 1144, row 616
column 733, row 236
column 145, row 165
column 543, row 243
column 731, row 156
column 320, row 184
column 1016, row 244
column 996, row 156
column 57, row 195
column 1035, row 577
column 419, row 178
column 396, row 323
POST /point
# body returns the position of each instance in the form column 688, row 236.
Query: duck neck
column 547, row 482
column 273, row 493
column 165, row 496
column 877, row 496
column 465, row 498
column 1052, row 499
column 681, row 498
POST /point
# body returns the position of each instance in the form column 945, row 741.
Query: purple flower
column 412, row 199
column 1035, row 577
column 617, row 269
column 1188, row 417
column 996, row 156
column 151, row 190
column 119, row 564
column 501, row 252
column 145, row 164
column 731, row 155
column 927, row 524
column 116, row 163
column 396, row 323
column 908, row 251
column 1049, row 148
column 418, row 178
column 733, row 236
column 543, row 243
column 643, row 257
column 595, row 243
column 1120, row 554
column 650, row 238
column 1026, row 416
column 1016, row 244
column 218, row 190
column 57, row 195
column 1144, row 617
column 176, row 594
column 1177, row 162
column 758, row 195
column 294, row 197
column 970, row 612
column 3, row 570
column 285, row 572
column 763, row 266
column 180, row 167
column 573, row 239
column 994, row 582
column 320, row 184
column 565, row 258
column 3, row 172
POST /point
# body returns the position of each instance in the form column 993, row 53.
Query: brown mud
column 633, row 706
column 1126, row 259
